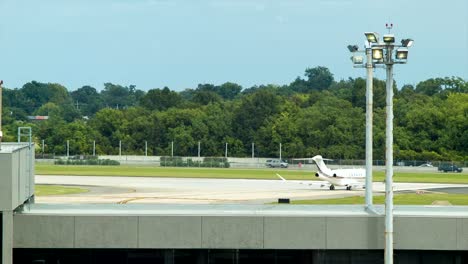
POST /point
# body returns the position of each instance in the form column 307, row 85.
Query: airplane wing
column 310, row 159
column 312, row 184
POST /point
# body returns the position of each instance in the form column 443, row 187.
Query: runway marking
column 176, row 198
column 280, row 177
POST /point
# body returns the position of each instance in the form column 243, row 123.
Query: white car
column 276, row 163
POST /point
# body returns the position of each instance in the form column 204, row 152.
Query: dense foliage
column 312, row 115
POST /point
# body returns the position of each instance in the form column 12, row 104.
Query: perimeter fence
column 236, row 162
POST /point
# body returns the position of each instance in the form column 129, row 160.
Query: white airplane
column 350, row 178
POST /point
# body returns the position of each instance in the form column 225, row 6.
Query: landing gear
column 332, row 187
column 348, row 188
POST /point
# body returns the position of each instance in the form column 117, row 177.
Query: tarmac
column 152, row 190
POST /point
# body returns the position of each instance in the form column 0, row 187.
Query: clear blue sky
column 181, row 43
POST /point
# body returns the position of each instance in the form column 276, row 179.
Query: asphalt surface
column 123, row 190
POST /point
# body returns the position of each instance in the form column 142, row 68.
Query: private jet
column 349, row 178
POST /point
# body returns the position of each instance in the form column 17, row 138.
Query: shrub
column 104, row 162
column 166, row 161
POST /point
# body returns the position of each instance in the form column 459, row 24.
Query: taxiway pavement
column 107, row 189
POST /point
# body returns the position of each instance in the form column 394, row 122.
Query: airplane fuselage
column 343, row 177
column 340, row 177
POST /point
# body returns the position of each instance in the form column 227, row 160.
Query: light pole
column 382, row 53
column 358, row 62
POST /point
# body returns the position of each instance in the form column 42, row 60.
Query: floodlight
column 353, row 48
column 357, row 59
column 389, row 38
column 401, row 54
column 377, row 53
column 407, row 42
column 372, row 37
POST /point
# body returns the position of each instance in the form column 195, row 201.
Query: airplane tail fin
column 321, row 165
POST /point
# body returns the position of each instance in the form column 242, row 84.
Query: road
column 202, row 191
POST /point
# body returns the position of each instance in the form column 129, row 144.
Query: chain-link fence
column 236, row 162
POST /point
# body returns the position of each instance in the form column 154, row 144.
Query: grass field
column 399, row 199
column 49, row 169
column 43, row 190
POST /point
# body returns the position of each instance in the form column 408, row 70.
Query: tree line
column 314, row 114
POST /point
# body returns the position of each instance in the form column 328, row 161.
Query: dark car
column 449, row 167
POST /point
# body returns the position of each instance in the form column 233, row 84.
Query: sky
column 182, row 43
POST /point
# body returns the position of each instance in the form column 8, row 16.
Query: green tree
column 157, row 99
column 88, row 100
column 253, row 111
column 319, row 78
column 117, row 96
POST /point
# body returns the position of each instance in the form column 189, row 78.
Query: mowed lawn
column 399, row 199
column 43, row 190
column 175, row 172
column 231, row 173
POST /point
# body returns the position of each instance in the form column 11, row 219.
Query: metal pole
column 225, row 153
column 199, row 149
column 68, row 149
column 389, row 164
column 280, row 152
column 253, row 150
column 120, row 148
column 42, row 148
column 369, row 102
column 146, row 148
column 94, row 147
column 172, row 148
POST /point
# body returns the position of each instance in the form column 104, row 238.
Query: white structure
column 16, row 187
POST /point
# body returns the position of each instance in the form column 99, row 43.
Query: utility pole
column 253, row 150
column 369, row 122
column 146, row 148
column 280, row 153
column 382, row 53
column 199, row 149
column 389, row 166
column 68, row 149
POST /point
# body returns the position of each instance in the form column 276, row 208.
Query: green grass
column 424, row 177
column 399, row 199
column 43, row 190
column 48, row 169
column 230, row 173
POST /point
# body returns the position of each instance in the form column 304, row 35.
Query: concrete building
column 16, row 188
column 47, row 233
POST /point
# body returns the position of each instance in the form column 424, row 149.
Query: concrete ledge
column 295, row 232
column 355, row 232
column 232, row 232
column 169, row 232
column 106, row 232
column 238, row 227
column 462, row 234
column 425, row 233
column 31, row 231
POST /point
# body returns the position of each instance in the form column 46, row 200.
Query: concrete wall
column 237, row 232
column 16, row 175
